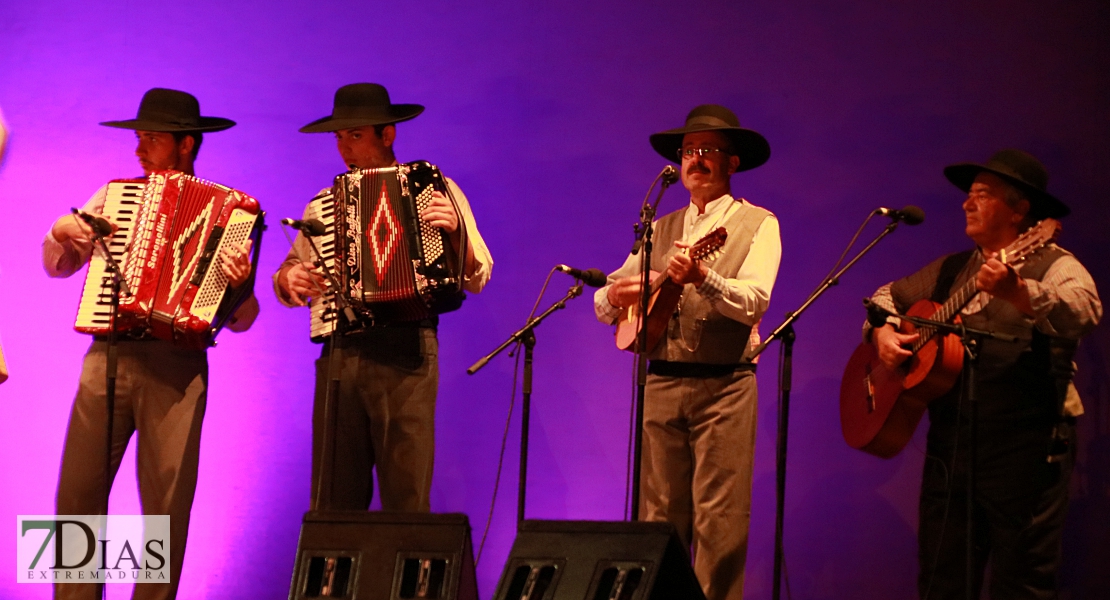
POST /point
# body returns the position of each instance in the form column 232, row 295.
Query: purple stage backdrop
column 541, row 113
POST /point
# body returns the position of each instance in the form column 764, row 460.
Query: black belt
column 668, row 368
column 431, row 322
column 359, row 336
column 126, row 337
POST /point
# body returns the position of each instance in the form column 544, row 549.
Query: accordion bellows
column 172, row 227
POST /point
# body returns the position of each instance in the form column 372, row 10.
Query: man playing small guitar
column 1026, row 403
column 665, row 294
column 700, row 399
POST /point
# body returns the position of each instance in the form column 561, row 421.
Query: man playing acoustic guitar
column 700, row 402
column 1026, row 403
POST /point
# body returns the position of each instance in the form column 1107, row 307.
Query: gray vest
column 697, row 332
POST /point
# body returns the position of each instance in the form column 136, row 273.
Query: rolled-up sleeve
column 606, row 312
column 299, row 252
column 479, row 275
column 1065, row 301
column 745, row 297
column 62, row 259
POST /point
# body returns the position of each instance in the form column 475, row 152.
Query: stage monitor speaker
column 360, row 555
column 595, row 560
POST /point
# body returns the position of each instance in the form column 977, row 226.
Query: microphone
column 910, row 214
column 669, row 175
column 309, row 227
column 99, row 225
column 590, row 277
column 876, row 315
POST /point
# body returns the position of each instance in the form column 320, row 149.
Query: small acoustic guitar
column 879, row 407
column 665, row 295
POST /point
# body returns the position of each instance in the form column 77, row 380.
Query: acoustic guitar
column 665, row 295
column 879, row 407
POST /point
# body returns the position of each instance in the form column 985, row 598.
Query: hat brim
column 203, row 124
column 750, row 146
column 1044, row 204
column 395, row 113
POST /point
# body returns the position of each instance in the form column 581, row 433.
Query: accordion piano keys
column 122, row 202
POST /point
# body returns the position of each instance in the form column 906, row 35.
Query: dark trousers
column 1018, row 513
column 386, row 418
column 161, row 392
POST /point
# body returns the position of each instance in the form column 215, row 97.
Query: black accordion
column 389, row 265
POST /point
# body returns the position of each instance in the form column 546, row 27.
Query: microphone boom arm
column 521, row 333
column 825, row 285
column 647, row 211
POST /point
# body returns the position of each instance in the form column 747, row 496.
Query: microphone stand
column 972, row 341
column 526, row 335
column 346, row 321
column 118, row 287
column 644, row 230
column 785, row 332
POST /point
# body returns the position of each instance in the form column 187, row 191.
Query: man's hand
column 3, row 135
column 300, row 282
column 72, row 227
column 888, row 342
column 624, row 292
column 236, row 264
column 441, row 213
column 1001, row 281
column 682, row 269
column 997, row 279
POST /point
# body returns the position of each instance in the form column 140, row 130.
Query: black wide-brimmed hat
column 1020, row 169
column 360, row 105
column 168, row 111
column 750, row 146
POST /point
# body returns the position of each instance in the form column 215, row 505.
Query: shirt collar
column 713, row 207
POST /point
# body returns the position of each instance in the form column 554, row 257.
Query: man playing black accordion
column 388, row 369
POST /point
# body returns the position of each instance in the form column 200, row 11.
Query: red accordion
column 172, row 227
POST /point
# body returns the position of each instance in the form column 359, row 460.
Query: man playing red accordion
column 161, row 388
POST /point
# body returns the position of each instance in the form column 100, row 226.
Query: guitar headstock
column 708, row 245
column 1038, row 236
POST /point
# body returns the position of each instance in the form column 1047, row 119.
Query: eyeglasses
column 685, row 153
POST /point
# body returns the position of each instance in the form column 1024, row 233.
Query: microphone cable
column 508, row 422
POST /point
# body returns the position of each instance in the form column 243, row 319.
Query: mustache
column 697, row 168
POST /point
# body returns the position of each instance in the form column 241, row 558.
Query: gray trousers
column 386, row 418
column 161, row 393
column 696, row 471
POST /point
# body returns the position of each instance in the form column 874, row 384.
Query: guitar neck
column 946, row 312
column 662, row 279
column 659, row 282
column 701, row 250
column 1029, row 242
